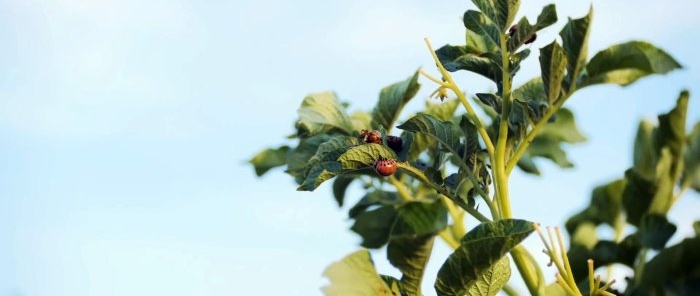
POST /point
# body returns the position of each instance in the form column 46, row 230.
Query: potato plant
column 423, row 173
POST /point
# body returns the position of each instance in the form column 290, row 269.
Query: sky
column 125, row 127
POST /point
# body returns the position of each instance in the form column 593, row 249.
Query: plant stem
column 499, row 160
column 446, row 236
column 450, row 83
column 639, row 268
column 510, row 291
column 457, row 217
column 529, row 271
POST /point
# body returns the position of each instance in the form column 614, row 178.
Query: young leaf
column 671, row 133
column 480, row 249
column 501, row 12
column 268, row 159
column 692, row 159
column 525, row 31
column 493, row 280
column 574, row 38
column 410, row 254
column 623, row 64
column 322, row 112
column 553, row 64
column 356, row 268
column 644, row 153
column 392, row 99
column 375, row 226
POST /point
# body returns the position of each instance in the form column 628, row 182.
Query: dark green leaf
column 407, row 140
column 322, row 112
column 410, row 255
column 392, row 99
column 356, row 268
column 644, row 153
column 493, row 280
column 479, row 64
column 419, row 218
column 637, row 196
column 490, row 100
column 501, row 12
column 375, row 226
column 364, row 156
column 574, row 38
column 487, row 8
column 323, row 165
column 340, row 185
column 395, row 285
column 298, row 158
column 692, row 159
column 655, row 231
column 532, row 90
column 553, row 64
column 376, row 197
column 623, row 64
column 478, row 23
column 550, row 149
column 268, row 159
column 480, row 249
column 605, row 206
column 446, row 132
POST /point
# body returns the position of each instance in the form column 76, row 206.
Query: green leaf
column 361, row 120
column 692, row 159
column 446, row 132
column 671, row 133
column 665, row 181
column 419, row 218
column 553, row 64
column 323, row 165
column 392, row 99
column 364, row 156
column 493, row 280
column 298, row 158
column 320, row 113
column 644, row 154
column 482, row 64
column 375, row 226
column 548, row 142
column 525, row 31
column 410, row 255
column 623, row 64
column 478, row 23
column 655, row 231
column 605, row 206
column 340, row 185
column 563, row 129
column 574, row 38
column 356, row 268
column 673, row 265
column 268, row 159
column 527, row 164
column 480, row 249
column 375, row 197
column 501, row 12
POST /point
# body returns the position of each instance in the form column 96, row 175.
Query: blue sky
column 125, row 126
